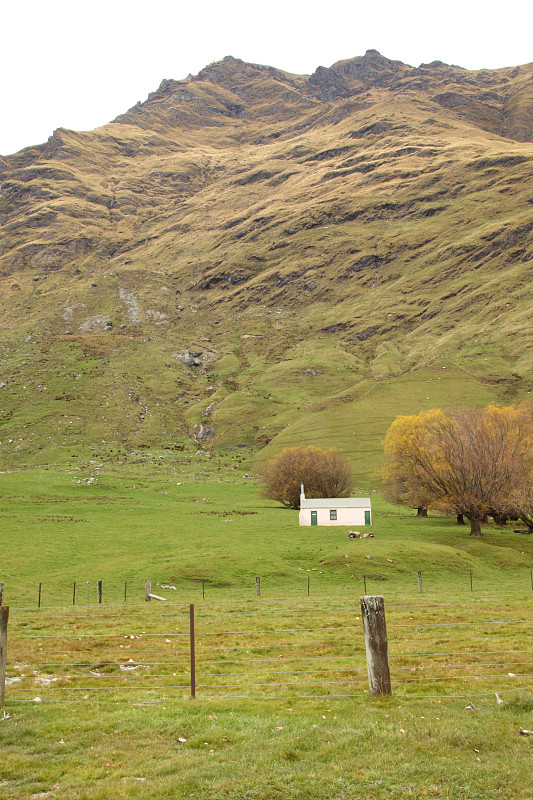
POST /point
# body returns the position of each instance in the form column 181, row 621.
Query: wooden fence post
column 2, row 591
column 193, row 650
column 258, row 587
column 377, row 656
column 100, row 592
column 420, row 581
column 4, row 617
column 147, row 590
column 39, row 600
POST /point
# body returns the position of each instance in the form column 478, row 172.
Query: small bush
column 323, row 474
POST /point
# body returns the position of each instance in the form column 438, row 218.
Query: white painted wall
column 345, row 516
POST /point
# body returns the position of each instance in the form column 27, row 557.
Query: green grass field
column 282, row 707
column 182, row 528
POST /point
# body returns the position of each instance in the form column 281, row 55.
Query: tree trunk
column 461, row 519
column 475, row 526
column 421, row 511
column 528, row 521
column 499, row 519
column 484, row 519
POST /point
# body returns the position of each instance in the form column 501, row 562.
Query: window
column 333, row 513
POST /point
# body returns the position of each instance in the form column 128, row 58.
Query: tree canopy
column 323, row 473
column 470, row 461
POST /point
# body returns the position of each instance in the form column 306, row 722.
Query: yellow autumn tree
column 399, row 483
column 465, row 461
column 323, row 473
column 521, row 496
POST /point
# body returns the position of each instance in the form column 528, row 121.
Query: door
column 367, row 517
column 313, row 518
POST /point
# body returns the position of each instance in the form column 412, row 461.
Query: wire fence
column 437, row 584
column 264, row 650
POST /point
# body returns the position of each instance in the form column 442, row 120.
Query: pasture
column 98, row 698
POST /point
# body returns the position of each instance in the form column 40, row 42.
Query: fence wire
column 143, row 655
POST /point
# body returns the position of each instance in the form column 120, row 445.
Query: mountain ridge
column 349, row 77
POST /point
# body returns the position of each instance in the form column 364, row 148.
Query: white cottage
column 335, row 510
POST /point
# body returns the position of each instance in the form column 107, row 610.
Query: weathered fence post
column 193, row 651
column 2, row 591
column 4, row 616
column 39, row 600
column 147, row 590
column 420, row 581
column 308, row 584
column 258, row 587
column 74, row 594
column 100, row 592
column 377, row 656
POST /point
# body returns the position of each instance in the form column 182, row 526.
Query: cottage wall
column 345, row 516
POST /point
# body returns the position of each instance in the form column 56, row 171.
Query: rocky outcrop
column 327, row 84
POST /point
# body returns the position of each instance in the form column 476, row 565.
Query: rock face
column 191, row 361
column 327, row 84
column 204, row 433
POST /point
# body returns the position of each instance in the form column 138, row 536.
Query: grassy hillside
column 268, row 247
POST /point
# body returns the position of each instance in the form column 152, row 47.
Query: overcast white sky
column 75, row 64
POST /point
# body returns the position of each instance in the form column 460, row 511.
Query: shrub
column 324, row 474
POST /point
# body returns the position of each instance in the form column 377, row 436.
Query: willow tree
column 464, row 461
column 323, row 473
column 397, row 475
column 521, row 496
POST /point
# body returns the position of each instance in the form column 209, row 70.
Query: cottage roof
column 335, row 502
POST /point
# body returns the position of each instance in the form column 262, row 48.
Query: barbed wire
column 469, row 666
column 335, row 668
column 101, row 664
column 271, row 683
column 456, row 678
column 247, row 647
column 174, row 634
column 199, row 602
column 457, row 624
column 279, row 698
column 479, row 653
column 100, row 688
